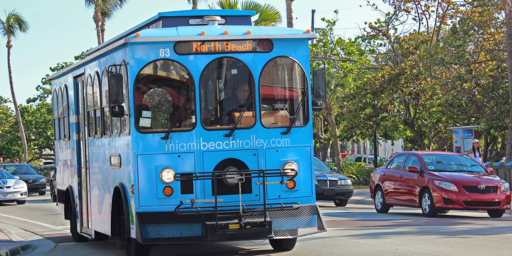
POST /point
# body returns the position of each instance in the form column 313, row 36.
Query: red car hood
column 468, row 177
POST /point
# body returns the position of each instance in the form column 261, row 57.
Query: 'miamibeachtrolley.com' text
column 228, row 144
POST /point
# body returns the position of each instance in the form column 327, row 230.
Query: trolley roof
column 159, row 29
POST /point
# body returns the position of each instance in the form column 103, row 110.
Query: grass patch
column 361, row 186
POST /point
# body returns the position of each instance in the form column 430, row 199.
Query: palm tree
column 103, row 10
column 194, row 3
column 268, row 15
column 10, row 28
column 507, row 7
column 289, row 13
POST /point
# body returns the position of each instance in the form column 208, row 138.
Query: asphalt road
column 353, row 230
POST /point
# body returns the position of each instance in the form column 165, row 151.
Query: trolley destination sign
column 231, row 46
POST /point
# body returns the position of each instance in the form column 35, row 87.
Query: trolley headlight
column 505, row 187
column 290, row 168
column 167, row 175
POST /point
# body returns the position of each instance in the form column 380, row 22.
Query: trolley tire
column 283, row 245
column 77, row 238
column 130, row 245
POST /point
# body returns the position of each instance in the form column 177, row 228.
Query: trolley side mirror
column 115, row 82
column 319, row 90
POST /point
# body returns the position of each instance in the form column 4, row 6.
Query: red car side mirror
column 490, row 170
column 414, row 169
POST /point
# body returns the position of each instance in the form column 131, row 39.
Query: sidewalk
column 361, row 196
column 8, row 247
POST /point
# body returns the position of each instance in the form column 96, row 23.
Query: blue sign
column 457, row 132
column 468, row 133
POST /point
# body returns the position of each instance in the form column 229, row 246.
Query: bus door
column 82, row 156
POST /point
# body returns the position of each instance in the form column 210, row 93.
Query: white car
column 12, row 189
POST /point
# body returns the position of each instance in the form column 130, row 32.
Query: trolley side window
column 97, row 105
column 106, row 112
column 61, row 115
column 65, row 111
column 56, row 128
column 283, row 86
column 125, row 120
column 161, row 89
column 90, row 107
column 226, row 89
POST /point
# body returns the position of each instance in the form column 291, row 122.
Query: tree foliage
column 424, row 66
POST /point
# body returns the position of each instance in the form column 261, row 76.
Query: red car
column 437, row 182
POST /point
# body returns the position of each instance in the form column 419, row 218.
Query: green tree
column 345, row 60
column 268, row 15
column 10, row 28
column 103, row 10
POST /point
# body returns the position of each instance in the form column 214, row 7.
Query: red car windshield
column 451, row 163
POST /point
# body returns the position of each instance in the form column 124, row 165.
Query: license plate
column 329, row 191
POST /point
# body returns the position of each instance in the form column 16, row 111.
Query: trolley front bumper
column 226, row 225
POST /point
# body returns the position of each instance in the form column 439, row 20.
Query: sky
column 62, row 29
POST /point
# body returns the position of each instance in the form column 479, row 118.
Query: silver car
column 12, row 189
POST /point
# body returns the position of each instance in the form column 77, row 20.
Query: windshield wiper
column 292, row 120
column 173, row 123
column 246, row 103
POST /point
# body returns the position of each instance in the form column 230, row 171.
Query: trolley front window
column 283, row 93
column 226, row 89
column 161, row 88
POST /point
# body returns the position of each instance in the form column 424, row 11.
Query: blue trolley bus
column 194, row 126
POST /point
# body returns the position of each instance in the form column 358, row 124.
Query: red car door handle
column 400, row 176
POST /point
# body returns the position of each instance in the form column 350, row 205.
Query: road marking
column 31, row 221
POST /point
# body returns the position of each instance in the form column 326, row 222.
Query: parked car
column 11, row 189
column 332, row 185
column 438, row 182
column 36, row 183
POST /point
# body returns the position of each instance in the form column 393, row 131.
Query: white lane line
column 34, row 222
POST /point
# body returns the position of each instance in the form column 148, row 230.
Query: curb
column 361, row 201
column 17, row 250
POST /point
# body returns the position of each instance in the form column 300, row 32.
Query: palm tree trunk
column 289, row 13
column 16, row 108
column 97, row 19
column 194, row 4
column 102, row 30
column 508, row 16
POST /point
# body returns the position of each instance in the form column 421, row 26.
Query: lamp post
column 375, row 160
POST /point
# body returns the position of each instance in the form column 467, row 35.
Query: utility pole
column 313, row 20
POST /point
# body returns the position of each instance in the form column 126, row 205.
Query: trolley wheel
column 131, row 246
column 73, row 227
column 282, row 245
